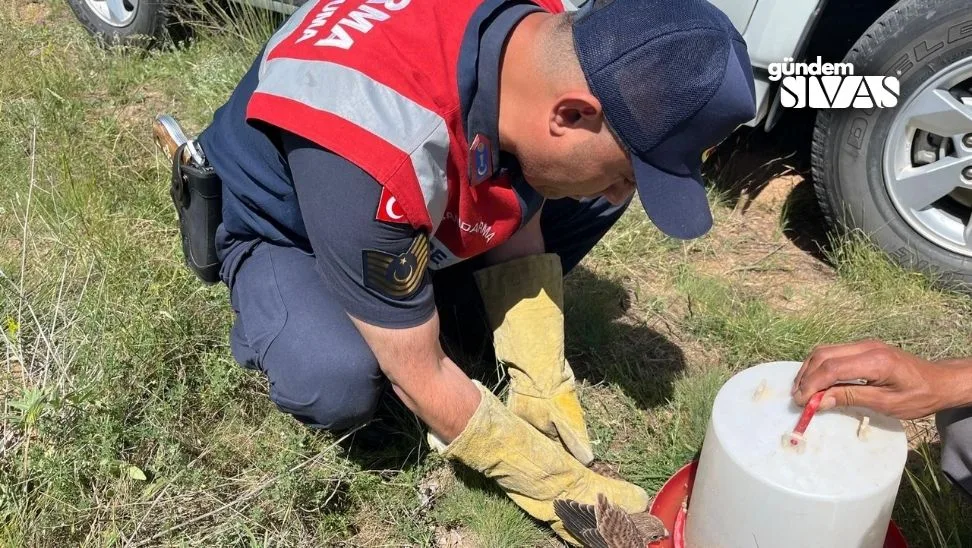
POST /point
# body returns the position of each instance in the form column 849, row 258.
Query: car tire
column 140, row 23
column 917, row 41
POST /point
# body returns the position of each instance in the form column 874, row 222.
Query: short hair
column 559, row 59
column 558, row 56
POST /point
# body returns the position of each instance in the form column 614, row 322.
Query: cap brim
column 677, row 204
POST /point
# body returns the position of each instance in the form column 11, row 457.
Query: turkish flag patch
column 388, row 209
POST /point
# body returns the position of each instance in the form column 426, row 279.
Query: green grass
column 126, row 421
column 483, row 516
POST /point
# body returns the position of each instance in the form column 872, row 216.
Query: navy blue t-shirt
column 284, row 189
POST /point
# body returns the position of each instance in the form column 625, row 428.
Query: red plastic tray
column 668, row 507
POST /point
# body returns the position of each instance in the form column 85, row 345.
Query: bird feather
column 607, row 526
column 580, row 520
column 616, row 527
column 650, row 526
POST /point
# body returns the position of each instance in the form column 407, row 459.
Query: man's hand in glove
column 524, row 302
column 533, row 470
column 556, row 413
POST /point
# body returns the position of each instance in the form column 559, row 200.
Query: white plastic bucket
column 750, row 491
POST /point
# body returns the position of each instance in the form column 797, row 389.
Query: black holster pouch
column 197, row 194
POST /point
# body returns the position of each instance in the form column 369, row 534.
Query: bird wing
column 580, row 520
column 616, row 527
column 607, row 526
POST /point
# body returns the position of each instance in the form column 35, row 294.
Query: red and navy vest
column 376, row 82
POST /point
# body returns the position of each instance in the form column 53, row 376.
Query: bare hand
column 898, row 383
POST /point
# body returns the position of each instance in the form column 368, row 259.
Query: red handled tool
column 808, row 412
column 795, row 438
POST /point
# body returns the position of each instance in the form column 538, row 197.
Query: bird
column 604, row 525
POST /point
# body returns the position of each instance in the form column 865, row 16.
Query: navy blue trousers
column 319, row 368
column 955, row 428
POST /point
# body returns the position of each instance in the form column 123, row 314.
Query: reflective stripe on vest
column 404, row 124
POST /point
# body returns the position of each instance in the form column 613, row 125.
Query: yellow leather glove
column 532, row 469
column 524, row 303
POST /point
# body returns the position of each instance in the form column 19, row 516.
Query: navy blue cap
column 673, row 78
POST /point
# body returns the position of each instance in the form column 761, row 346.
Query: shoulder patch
column 388, row 209
column 396, row 276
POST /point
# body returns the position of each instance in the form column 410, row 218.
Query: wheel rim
column 117, row 13
column 928, row 159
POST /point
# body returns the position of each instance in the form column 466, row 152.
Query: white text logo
column 831, row 85
column 479, row 228
column 359, row 20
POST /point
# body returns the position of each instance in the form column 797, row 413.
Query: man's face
column 596, row 166
column 567, row 149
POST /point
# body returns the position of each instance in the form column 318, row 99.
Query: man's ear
column 575, row 110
